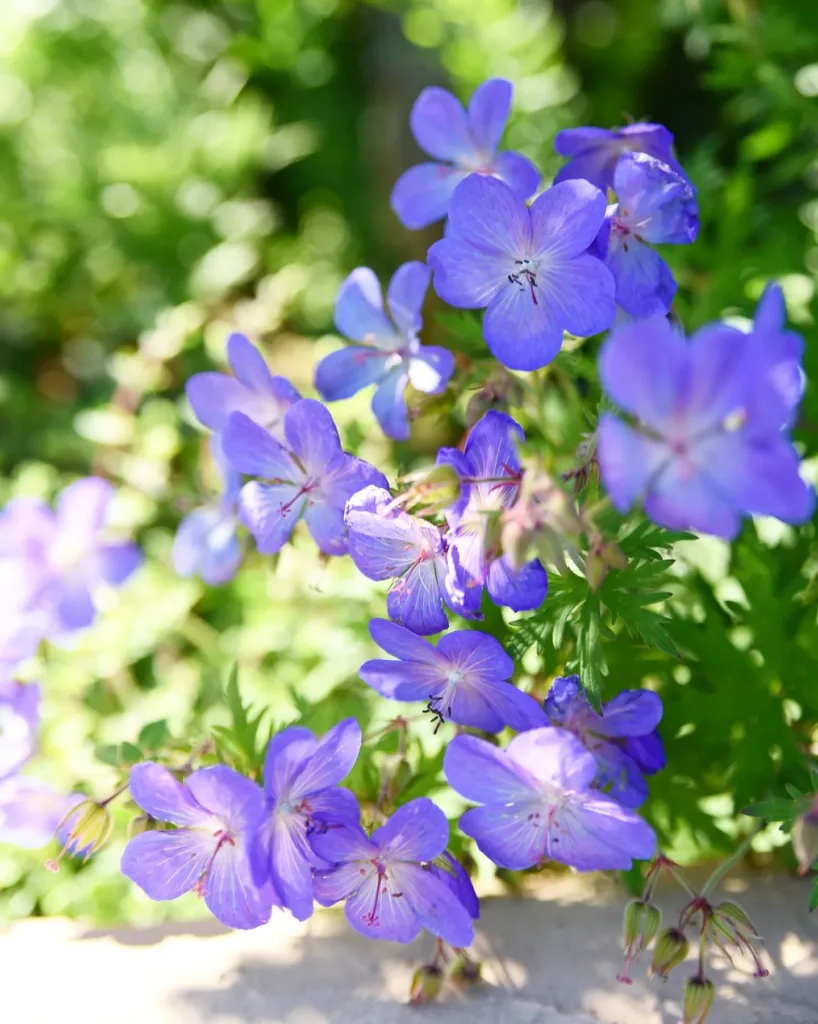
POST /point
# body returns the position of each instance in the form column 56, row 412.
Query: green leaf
column 813, row 896
column 242, row 735
column 773, row 810
column 108, row 753
column 153, row 735
column 129, row 754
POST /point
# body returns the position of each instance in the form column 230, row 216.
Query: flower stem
column 736, row 856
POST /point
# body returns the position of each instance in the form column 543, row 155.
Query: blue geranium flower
column 466, row 679
column 654, row 205
column 595, row 152
column 386, row 881
column 311, row 477
column 490, row 472
column 529, row 267
column 389, row 353
column 707, row 446
column 464, row 142
column 539, row 804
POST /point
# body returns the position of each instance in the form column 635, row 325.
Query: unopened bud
column 805, row 838
column 501, row 391
column 736, row 914
column 434, row 490
column 698, row 999
column 466, row 972
column 670, row 950
column 641, row 924
column 729, row 926
column 83, row 831
column 427, row 982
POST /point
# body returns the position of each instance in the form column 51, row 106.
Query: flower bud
column 729, row 926
column 805, row 838
column 641, row 924
column 466, row 971
column 501, row 391
column 604, row 555
column 427, row 982
column 698, row 998
column 435, row 489
column 735, row 914
column 670, row 950
column 83, row 831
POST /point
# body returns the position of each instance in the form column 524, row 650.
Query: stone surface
column 551, row 958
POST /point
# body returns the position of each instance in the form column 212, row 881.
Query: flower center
column 525, row 277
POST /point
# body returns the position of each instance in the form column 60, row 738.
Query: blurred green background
column 172, row 172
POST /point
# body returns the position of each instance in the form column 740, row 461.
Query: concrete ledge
column 551, row 958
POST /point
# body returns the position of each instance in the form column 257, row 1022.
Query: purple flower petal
column 75, row 605
column 290, row 863
column 422, row 194
column 405, row 296
column 82, row 509
column 345, row 843
column 640, row 365
column 521, row 334
column 417, row 831
column 206, row 544
column 389, row 405
column 378, row 913
column 518, row 172
column 312, row 435
column 344, row 373
column 402, row 643
column 247, row 363
column 326, row 525
column 598, row 834
column 382, row 545
column 19, row 719
column 648, row 752
column 163, row 797
column 346, row 477
column 31, row 811
column 166, row 865
column 115, row 563
column 359, row 313
column 234, row 799
column 230, row 893
column 771, row 311
column 435, row 906
column 333, row 759
column 581, row 294
column 288, row 753
column 630, row 713
column 512, row 837
column 477, row 654
column 250, row 449
column 405, row 681
column 682, row 501
column 430, row 369
column 566, row 219
column 596, row 151
column 270, row 513
column 439, row 125
column 479, row 771
column 629, row 461
column 521, row 589
column 452, row 873
column 464, row 276
column 414, row 600
column 486, row 214
column 644, row 284
column 553, row 756
column 488, row 112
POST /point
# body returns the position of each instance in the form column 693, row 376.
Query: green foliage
column 173, row 172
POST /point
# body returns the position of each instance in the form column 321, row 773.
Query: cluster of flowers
column 708, row 442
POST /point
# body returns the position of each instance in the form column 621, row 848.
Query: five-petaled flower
column 539, row 804
column 311, row 477
column 654, row 205
column 708, row 446
column 389, row 353
column 595, row 152
column 216, row 812
column 530, row 268
column 387, row 543
column 67, row 555
column 623, row 738
column 465, row 679
column 302, row 797
column 207, row 543
column 490, row 472
column 385, row 879
column 253, row 391
column 465, row 142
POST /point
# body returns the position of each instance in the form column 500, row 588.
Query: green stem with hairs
column 736, row 856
